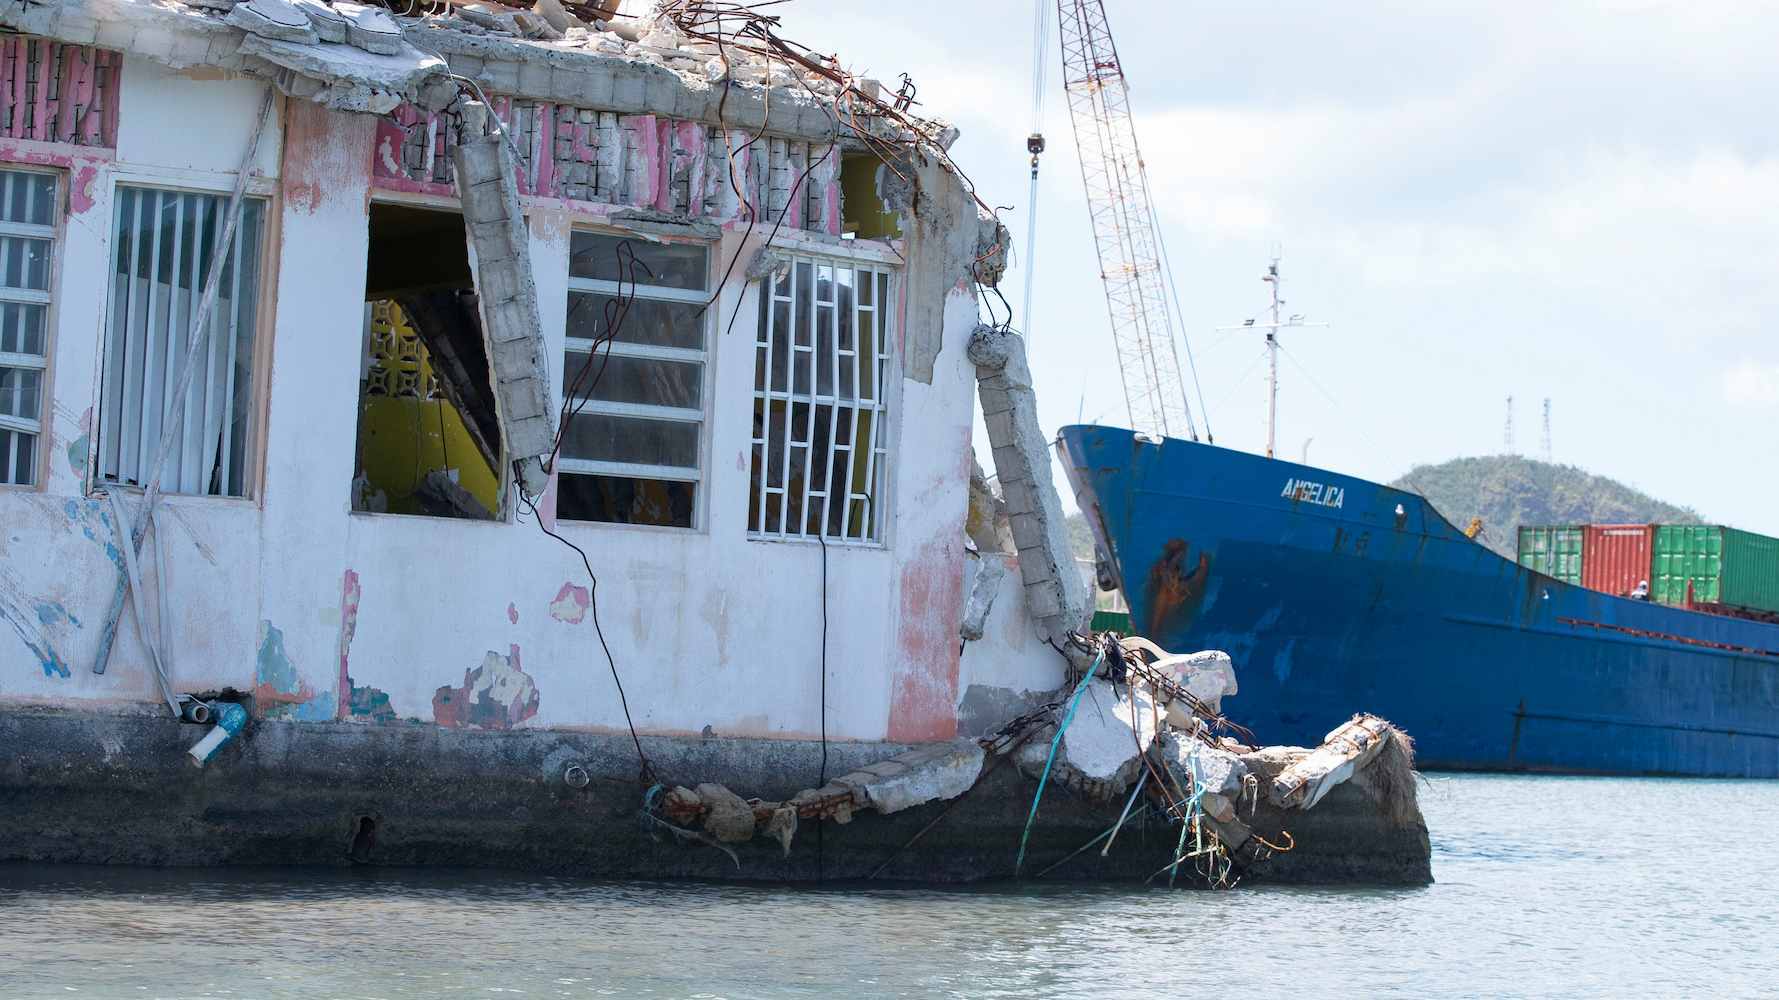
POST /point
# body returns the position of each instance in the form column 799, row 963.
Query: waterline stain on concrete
column 495, row 695
column 570, row 605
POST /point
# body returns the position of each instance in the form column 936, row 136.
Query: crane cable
column 1167, row 267
column 1034, row 144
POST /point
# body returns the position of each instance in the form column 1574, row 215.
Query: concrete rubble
column 1237, row 802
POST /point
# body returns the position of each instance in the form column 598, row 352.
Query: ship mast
column 1276, row 280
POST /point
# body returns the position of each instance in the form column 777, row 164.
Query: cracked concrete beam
column 511, row 329
column 952, row 243
column 1055, row 595
column 337, row 76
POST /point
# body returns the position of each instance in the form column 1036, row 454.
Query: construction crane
column 1132, row 255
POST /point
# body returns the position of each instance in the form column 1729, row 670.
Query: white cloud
column 1752, row 384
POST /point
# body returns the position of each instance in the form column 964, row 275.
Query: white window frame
column 255, row 386
column 45, row 297
column 882, row 310
column 648, row 352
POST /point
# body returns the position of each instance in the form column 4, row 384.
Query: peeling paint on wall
column 83, row 513
column 923, row 690
column 80, row 446
column 571, row 604
column 278, row 691
column 495, row 695
column 31, row 626
column 357, row 703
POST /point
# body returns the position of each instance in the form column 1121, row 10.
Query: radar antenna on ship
column 1276, row 280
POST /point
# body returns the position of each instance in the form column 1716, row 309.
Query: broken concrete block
column 370, row 28
column 941, row 773
column 782, row 827
column 682, row 805
column 985, row 584
column 1213, row 770
column 1111, row 727
column 279, row 19
column 1209, row 675
column 1057, row 598
column 727, row 816
column 220, row 6
column 1348, row 748
column 1217, row 806
column 328, row 23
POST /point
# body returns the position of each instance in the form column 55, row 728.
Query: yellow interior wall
column 862, row 213
column 406, row 427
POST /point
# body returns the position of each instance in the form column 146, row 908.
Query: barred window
column 821, row 365
column 634, row 367
column 163, row 244
column 27, row 247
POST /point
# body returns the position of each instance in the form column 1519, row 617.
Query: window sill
column 832, row 543
column 648, row 529
column 127, row 490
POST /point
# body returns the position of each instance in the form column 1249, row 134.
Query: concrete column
column 1054, row 594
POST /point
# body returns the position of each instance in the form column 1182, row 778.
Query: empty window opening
column 163, row 246
column 863, row 213
column 634, row 368
column 821, row 360
column 428, row 431
column 27, row 249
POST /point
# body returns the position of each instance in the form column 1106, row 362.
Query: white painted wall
column 707, row 627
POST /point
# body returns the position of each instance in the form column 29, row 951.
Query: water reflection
column 1547, row 886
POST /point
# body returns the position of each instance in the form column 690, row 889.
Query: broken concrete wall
column 260, row 586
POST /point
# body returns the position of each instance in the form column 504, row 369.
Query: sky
column 1576, row 201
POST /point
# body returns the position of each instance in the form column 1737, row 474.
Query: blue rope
column 1055, row 741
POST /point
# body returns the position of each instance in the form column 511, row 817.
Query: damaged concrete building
column 456, row 414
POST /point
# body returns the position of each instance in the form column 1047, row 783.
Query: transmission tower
column 1546, row 442
column 1131, row 253
column 1507, row 433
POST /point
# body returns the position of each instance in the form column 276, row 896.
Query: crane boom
column 1124, row 233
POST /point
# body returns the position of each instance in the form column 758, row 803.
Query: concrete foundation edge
column 102, row 789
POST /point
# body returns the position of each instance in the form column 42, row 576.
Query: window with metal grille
column 163, row 243
column 27, row 249
column 821, row 365
column 635, row 373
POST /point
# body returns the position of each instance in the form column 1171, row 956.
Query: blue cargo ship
column 1335, row 595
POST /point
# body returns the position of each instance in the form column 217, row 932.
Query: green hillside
column 1507, row 491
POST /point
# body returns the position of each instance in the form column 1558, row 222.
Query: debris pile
column 1153, row 737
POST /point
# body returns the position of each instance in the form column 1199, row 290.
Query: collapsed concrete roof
column 357, row 57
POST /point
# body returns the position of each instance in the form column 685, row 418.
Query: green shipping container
column 1554, row 550
column 1724, row 566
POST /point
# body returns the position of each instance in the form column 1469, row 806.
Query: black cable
column 824, row 658
column 822, row 782
column 646, row 771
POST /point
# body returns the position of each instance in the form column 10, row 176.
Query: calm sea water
column 1547, row 887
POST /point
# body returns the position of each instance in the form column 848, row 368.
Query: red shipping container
column 1616, row 557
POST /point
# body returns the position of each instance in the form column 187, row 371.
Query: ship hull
column 1332, row 602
